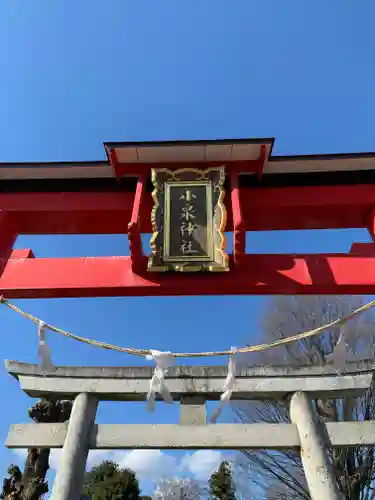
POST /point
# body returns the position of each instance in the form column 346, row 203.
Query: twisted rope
column 148, row 352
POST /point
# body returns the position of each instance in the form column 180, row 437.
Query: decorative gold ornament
column 188, row 220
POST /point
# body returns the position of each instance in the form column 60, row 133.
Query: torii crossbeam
column 262, row 192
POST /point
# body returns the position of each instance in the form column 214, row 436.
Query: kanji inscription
column 188, row 220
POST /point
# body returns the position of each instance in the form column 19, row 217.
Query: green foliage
column 107, row 481
column 221, row 483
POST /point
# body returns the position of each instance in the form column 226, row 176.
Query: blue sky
column 75, row 74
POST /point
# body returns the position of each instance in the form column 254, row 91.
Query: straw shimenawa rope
column 147, row 352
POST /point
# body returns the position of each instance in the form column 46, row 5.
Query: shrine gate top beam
column 286, row 192
column 263, row 192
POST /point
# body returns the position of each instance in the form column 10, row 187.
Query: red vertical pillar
column 371, row 225
column 8, row 235
column 134, row 230
column 239, row 233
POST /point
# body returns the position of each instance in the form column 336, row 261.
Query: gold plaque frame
column 164, row 181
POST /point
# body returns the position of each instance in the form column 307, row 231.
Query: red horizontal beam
column 307, row 207
column 263, row 209
column 60, row 202
column 260, row 274
column 354, row 196
column 69, row 213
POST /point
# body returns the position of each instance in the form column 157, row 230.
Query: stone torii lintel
column 131, row 383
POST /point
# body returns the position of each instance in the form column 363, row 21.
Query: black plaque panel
column 188, row 220
column 187, row 235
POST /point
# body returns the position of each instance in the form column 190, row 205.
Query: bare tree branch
column 280, row 473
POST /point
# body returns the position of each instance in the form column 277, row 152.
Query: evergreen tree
column 221, row 483
column 107, row 481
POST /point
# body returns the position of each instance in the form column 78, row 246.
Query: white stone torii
column 192, row 386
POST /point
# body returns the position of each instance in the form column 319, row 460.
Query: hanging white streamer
column 228, row 387
column 44, row 352
column 163, row 361
column 342, row 353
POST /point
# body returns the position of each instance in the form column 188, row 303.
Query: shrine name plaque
column 188, row 220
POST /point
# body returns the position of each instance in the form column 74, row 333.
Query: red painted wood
column 261, row 161
column 22, row 253
column 134, row 231
column 137, row 204
column 70, row 213
column 363, row 249
column 65, row 202
column 317, row 207
column 260, row 274
column 314, row 207
column 371, row 224
column 8, row 236
column 113, row 161
column 239, row 233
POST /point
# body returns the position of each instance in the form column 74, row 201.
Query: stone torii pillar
column 71, row 470
column 318, row 471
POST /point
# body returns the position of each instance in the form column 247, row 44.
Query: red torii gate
column 263, row 192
